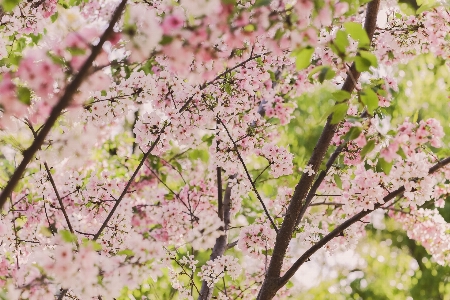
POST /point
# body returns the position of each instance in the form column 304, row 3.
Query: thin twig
column 318, row 182
column 170, row 190
column 219, row 193
column 50, row 177
column 326, row 203
column 125, row 190
column 232, row 244
column 52, row 181
column 254, row 181
column 249, row 177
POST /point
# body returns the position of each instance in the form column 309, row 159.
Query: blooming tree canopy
column 143, row 139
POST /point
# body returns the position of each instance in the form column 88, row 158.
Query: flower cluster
column 279, row 158
column 215, row 269
column 256, row 239
column 430, row 229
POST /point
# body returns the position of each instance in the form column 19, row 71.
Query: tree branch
column 271, row 282
column 221, row 242
column 249, row 177
column 62, row 293
column 63, row 102
column 97, row 235
column 220, row 211
column 318, row 182
column 50, row 177
column 338, row 230
column 125, row 190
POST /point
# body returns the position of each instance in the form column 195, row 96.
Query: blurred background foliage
column 395, row 267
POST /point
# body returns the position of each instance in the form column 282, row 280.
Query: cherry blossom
column 157, row 133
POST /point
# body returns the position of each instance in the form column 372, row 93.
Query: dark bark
column 320, row 178
column 272, row 280
column 221, row 243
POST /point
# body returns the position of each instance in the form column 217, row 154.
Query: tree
column 172, row 141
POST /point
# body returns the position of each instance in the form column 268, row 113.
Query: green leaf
column 57, row 59
column 365, row 60
column 315, row 71
column 103, row 93
column 426, row 7
column 358, row 33
column 126, row 252
column 341, row 42
column 362, row 64
column 54, row 17
column 338, row 181
column 259, row 3
column 421, row 2
column 36, row 37
column 45, row 231
column 415, row 116
column 278, row 35
column 303, row 57
column 14, row 59
column 199, row 154
column 227, row 88
column 24, row 95
column 391, row 55
column 67, row 236
column 249, row 28
column 76, row 51
column 93, row 244
column 147, row 67
column 339, row 113
column 353, row 119
column 166, row 40
column 384, row 165
column 20, row 221
column 370, row 99
column 370, row 57
column 177, row 165
column 9, row 5
column 381, row 92
column 408, row 7
column 326, row 74
column 208, row 139
column 367, row 148
column 340, row 96
column 330, row 210
column 272, row 75
column 401, row 153
column 353, row 133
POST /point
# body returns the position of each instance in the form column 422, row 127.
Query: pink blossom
column 172, row 23
column 340, row 8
